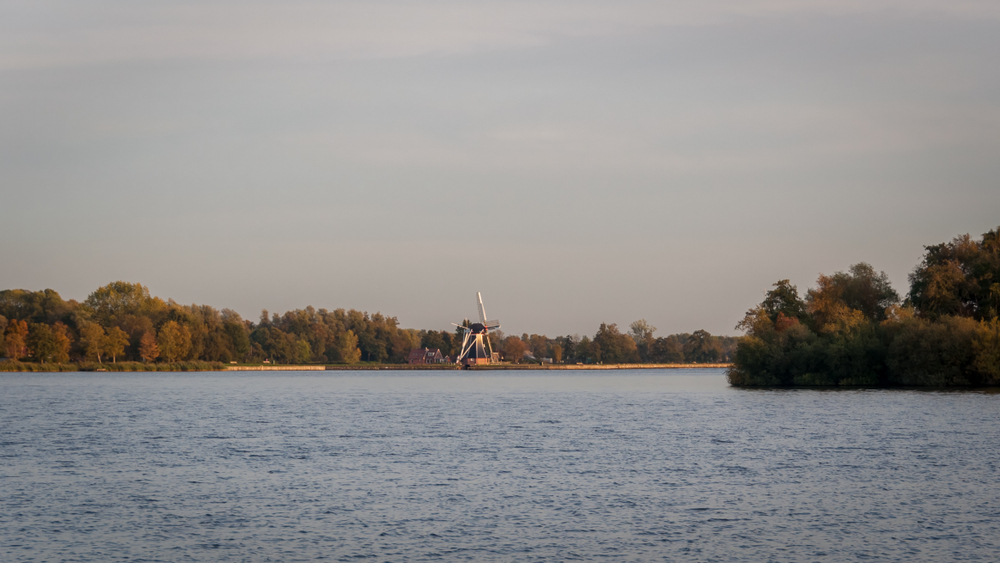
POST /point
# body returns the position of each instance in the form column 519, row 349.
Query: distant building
column 425, row 356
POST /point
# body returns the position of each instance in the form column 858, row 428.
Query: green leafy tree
column 986, row 346
column 568, row 345
column 41, row 342
column 784, row 299
column 238, row 335
column 702, row 348
column 372, row 348
column 118, row 299
column 934, row 353
column 432, row 339
column 319, row 337
column 34, row 306
column 303, row 351
column 615, row 347
column 666, row 350
column 588, row 351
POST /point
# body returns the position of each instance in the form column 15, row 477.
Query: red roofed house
column 425, row 356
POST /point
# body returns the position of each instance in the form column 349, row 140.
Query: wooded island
column 853, row 329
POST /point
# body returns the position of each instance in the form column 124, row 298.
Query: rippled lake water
column 514, row 466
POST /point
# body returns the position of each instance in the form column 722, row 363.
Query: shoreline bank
column 453, row 367
column 150, row 368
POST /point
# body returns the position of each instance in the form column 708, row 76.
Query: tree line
column 853, row 328
column 123, row 322
column 609, row 346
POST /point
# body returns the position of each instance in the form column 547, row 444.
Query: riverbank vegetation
column 121, row 327
column 854, row 329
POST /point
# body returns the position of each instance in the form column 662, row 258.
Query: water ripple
column 633, row 466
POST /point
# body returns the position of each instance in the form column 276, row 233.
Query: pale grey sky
column 577, row 162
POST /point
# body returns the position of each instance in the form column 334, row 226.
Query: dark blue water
column 623, row 466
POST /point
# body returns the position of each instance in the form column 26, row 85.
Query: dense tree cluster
column 121, row 321
column 611, row 346
column 852, row 329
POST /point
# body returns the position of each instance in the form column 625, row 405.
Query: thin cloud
column 56, row 34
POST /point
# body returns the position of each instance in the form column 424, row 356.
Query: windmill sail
column 476, row 346
column 482, row 314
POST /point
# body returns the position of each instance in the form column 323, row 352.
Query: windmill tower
column 476, row 347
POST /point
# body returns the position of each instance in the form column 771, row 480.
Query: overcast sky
column 577, row 162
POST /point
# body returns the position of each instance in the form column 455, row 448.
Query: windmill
column 474, row 350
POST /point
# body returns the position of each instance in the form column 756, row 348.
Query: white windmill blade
column 482, row 310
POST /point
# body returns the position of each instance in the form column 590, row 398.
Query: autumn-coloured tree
column 92, row 341
column 174, row 341
column 148, row 350
column 114, row 343
column 513, row 349
column 538, row 344
column 847, row 299
column 63, row 340
column 16, row 339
